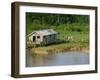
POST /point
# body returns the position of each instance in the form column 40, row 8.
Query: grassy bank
column 59, row 48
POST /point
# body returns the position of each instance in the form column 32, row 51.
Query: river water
column 67, row 58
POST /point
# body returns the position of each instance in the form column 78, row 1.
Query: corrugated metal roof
column 44, row 32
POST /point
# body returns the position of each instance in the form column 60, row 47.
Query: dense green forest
column 66, row 22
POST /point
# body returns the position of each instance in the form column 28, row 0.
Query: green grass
column 80, row 33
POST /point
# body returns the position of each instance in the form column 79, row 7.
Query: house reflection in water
column 37, row 60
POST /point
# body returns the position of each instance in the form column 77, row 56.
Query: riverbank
column 60, row 48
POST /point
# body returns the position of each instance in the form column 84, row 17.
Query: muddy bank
column 43, row 50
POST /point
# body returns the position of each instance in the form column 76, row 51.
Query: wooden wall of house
column 50, row 39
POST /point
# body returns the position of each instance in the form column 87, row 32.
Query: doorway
column 34, row 38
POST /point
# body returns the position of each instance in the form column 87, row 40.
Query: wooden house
column 46, row 36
